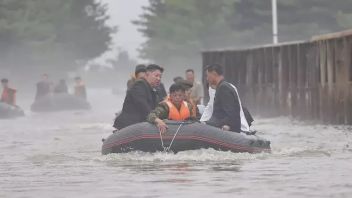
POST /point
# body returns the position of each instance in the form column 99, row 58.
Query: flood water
column 58, row 155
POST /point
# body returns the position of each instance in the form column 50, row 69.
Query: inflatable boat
column 8, row 111
column 59, row 102
column 181, row 136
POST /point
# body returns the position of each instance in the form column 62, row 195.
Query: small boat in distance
column 9, row 111
column 59, row 102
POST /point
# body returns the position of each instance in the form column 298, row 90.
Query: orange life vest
column 9, row 96
column 194, row 106
column 178, row 115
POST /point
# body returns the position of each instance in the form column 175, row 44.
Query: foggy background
column 103, row 40
column 58, row 154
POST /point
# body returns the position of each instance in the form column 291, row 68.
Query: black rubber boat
column 8, row 111
column 59, row 102
column 181, row 137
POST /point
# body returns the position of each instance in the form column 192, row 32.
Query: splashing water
column 58, row 155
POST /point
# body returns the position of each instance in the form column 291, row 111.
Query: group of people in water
column 44, row 88
column 146, row 100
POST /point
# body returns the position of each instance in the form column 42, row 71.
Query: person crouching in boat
column 8, row 95
column 188, row 97
column 173, row 108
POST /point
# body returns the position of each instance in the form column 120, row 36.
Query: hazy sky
column 122, row 12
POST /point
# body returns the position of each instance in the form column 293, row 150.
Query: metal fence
column 308, row 80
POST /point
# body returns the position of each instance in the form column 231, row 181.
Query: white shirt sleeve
column 208, row 110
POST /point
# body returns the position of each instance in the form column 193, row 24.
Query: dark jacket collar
column 146, row 83
column 220, row 83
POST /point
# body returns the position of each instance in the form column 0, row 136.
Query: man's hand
column 225, row 128
column 161, row 126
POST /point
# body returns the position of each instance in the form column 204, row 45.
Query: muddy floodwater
column 59, row 155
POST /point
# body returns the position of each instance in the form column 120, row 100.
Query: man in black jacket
column 141, row 99
column 160, row 92
column 227, row 108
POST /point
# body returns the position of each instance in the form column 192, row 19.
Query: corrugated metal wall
column 306, row 80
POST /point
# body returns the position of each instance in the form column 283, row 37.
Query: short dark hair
column 4, row 80
column 140, row 68
column 216, row 68
column 177, row 79
column 186, row 84
column 153, row 67
column 176, row 87
column 190, row 70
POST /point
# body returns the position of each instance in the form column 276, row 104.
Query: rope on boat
column 167, row 148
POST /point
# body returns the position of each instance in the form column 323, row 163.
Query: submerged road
column 58, row 155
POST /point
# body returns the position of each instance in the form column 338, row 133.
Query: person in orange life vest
column 8, row 95
column 188, row 91
column 173, row 108
column 80, row 88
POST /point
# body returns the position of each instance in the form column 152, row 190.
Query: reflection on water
column 58, row 155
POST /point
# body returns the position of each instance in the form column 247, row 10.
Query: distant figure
column 227, row 109
column 188, row 91
column 8, row 95
column 139, row 73
column 43, row 87
column 174, row 108
column 197, row 89
column 177, row 79
column 61, row 87
column 80, row 88
column 141, row 99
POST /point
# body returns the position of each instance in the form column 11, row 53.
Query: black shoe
column 250, row 132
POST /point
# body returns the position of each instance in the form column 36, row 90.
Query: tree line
column 42, row 35
column 177, row 30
